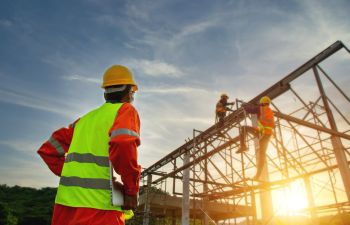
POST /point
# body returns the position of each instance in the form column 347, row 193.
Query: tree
column 6, row 216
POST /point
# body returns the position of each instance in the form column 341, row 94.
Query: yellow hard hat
column 265, row 100
column 224, row 95
column 118, row 75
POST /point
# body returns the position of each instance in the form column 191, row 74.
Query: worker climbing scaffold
column 263, row 131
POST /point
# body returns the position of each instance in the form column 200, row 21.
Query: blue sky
column 183, row 55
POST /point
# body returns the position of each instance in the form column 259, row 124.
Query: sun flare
column 291, row 200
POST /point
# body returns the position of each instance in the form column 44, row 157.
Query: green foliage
column 26, row 206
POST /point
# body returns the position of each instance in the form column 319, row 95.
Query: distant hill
column 30, row 206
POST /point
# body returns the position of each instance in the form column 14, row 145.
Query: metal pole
column 252, row 194
column 338, row 147
column 173, row 218
column 148, row 202
column 186, row 191
column 205, row 188
column 310, row 200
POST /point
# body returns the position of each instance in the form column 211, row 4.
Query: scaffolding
column 204, row 181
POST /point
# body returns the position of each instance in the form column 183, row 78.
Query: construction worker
column 263, row 131
column 84, row 154
column 222, row 108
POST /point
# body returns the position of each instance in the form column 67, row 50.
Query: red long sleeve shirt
column 123, row 148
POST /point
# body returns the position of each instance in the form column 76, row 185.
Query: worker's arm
column 124, row 139
column 54, row 149
column 227, row 108
column 251, row 109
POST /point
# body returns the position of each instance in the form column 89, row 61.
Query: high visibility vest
column 220, row 107
column 86, row 174
column 266, row 120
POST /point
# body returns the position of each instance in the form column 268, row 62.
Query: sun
column 291, row 200
column 296, row 201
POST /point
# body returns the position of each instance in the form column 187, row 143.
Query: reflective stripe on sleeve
column 88, row 158
column 123, row 131
column 93, row 183
column 57, row 146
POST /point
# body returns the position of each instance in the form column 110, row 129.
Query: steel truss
column 310, row 148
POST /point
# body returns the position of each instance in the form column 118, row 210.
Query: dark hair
column 117, row 96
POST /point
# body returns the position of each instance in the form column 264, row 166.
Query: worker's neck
column 113, row 101
column 116, row 101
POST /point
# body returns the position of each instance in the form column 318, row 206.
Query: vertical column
column 148, row 202
column 173, row 218
column 186, row 192
column 205, row 188
column 310, row 200
column 252, row 194
column 265, row 196
column 338, row 147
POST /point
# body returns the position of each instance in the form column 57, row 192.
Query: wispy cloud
column 194, row 28
column 174, row 90
column 37, row 101
column 6, row 23
column 22, row 146
column 140, row 10
column 82, row 78
column 142, row 21
column 155, row 68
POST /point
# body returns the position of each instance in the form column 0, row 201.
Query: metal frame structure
column 310, row 148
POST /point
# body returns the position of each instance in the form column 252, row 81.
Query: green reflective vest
column 86, row 174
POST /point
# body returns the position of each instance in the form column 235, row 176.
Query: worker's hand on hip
column 130, row 202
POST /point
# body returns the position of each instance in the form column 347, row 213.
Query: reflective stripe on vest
column 88, row 158
column 58, row 147
column 86, row 177
column 220, row 107
column 92, row 183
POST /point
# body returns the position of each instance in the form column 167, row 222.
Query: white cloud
column 82, row 78
column 5, row 23
column 38, row 101
column 20, row 145
column 138, row 11
column 168, row 41
column 174, row 90
column 155, row 68
column 194, row 28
